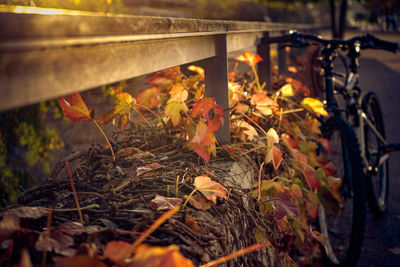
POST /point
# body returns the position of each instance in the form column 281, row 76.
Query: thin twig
column 74, row 192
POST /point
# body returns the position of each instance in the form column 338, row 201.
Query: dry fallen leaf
column 210, row 189
column 164, row 203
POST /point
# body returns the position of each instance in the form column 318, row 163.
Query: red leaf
column 149, row 97
column 312, row 179
column 327, row 165
column 75, row 109
column 115, row 250
column 208, row 108
column 210, row 189
column 203, row 142
column 249, row 58
column 164, row 203
column 289, row 141
column 165, row 77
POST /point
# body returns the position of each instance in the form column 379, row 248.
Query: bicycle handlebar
column 367, row 41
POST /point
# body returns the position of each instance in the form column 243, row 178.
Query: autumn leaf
column 298, row 86
column 122, row 110
column 289, row 141
column 312, row 125
column 273, row 154
column 315, row 106
column 207, row 107
column 295, row 189
column 264, row 104
column 151, row 167
column 249, row 58
column 312, row 204
column 75, row 109
column 246, row 131
column 148, row 256
column 311, row 178
column 176, row 104
column 149, row 97
column 284, row 206
column 210, row 189
column 199, row 70
column 165, row 78
column 164, row 203
column 203, row 142
column 327, row 165
column 199, row 202
column 287, row 90
column 115, row 250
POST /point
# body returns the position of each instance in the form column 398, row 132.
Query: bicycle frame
column 351, row 93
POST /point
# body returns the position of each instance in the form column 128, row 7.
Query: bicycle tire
column 377, row 180
column 343, row 243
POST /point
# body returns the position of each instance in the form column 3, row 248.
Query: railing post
column 282, row 59
column 264, row 67
column 216, row 83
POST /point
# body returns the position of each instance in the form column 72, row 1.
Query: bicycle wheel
column 344, row 233
column 377, row 174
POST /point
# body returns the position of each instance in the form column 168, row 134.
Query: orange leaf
column 214, row 114
column 75, row 109
column 197, row 69
column 210, row 189
column 149, row 97
column 121, row 109
column 147, row 256
column 249, row 58
column 115, row 250
column 203, row 142
column 264, row 104
column 312, row 204
column 315, row 106
column 165, row 77
column 312, row 125
column 277, row 158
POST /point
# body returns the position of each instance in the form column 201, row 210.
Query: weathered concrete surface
column 380, row 72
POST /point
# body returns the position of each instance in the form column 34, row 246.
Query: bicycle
column 363, row 166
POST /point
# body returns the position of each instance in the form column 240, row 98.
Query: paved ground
column 380, row 72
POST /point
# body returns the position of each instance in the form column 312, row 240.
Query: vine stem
column 187, row 199
column 105, row 137
column 149, row 231
column 236, row 254
column 259, row 181
column 74, row 192
column 256, row 78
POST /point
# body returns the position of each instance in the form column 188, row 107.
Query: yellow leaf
column 173, row 110
column 287, row 90
column 315, row 106
column 245, row 128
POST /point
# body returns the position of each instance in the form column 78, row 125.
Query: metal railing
column 46, row 54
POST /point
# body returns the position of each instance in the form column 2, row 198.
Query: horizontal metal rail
column 47, row 54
